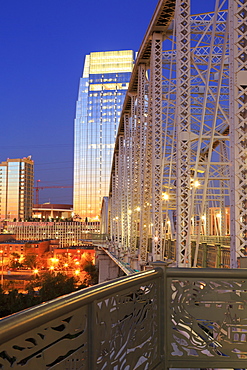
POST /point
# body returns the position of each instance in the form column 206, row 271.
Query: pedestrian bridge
column 156, row 319
column 178, row 173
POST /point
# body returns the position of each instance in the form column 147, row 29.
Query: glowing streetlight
column 77, row 272
column 165, row 196
column 195, row 183
column 54, row 260
column 35, row 272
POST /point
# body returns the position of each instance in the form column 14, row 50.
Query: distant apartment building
column 11, row 248
column 66, row 233
column 16, row 189
column 102, row 90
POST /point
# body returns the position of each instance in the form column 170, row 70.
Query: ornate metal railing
column 157, row 319
column 206, row 324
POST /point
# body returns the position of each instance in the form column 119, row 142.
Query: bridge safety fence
column 212, row 255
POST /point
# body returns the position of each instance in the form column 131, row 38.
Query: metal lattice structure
column 183, row 130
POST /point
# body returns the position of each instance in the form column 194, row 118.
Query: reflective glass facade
column 102, row 91
column 16, row 189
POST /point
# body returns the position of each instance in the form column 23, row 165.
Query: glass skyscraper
column 101, row 94
column 16, row 189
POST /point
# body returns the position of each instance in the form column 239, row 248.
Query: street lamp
column 77, row 272
column 36, row 271
column 2, row 269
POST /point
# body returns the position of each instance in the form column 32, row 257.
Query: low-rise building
column 50, row 211
column 11, row 247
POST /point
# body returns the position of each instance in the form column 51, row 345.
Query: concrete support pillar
column 108, row 270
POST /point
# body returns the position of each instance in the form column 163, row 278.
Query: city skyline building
column 16, row 189
column 102, row 90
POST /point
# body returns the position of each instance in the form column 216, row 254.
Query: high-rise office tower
column 16, row 189
column 102, row 91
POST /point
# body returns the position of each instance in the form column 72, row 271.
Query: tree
column 52, row 286
column 42, row 288
column 92, row 275
column 14, row 261
column 30, row 261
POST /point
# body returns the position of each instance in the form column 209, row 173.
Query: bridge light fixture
column 196, row 183
column 165, row 196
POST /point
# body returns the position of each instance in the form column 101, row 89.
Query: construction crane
column 38, row 188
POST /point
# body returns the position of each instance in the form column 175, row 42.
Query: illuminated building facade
column 101, row 94
column 16, row 189
column 65, row 233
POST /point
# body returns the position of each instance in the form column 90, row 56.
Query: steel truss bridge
column 180, row 152
column 181, row 147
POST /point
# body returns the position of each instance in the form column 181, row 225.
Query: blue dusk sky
column 43, row 44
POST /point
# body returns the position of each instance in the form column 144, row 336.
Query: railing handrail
column 180, row 272
column 28, row 319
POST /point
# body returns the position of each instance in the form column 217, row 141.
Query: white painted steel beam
column 183, row 131
column 238, row 128
column 155, row 96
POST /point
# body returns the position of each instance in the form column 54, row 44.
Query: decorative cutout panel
column 208, row 321
column 127, row 327
column 60, row 344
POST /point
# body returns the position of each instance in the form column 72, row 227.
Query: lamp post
column 36, row 271
column 2, row 269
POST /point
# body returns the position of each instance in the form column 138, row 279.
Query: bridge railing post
column 164, row 312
